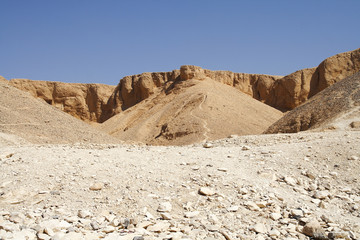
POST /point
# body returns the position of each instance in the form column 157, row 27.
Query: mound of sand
column 25, row 117
column 191, row 111
column 335, row 107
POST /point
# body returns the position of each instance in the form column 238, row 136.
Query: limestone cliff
column 294, row 89
column 97, row 102
column 335, row 107
column 87, row 102
column 2, row 79
column 283, row 93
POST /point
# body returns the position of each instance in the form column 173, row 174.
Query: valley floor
column 284, row 186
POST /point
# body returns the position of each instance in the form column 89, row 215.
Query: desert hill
column 25, row 117
column 98, row 102
column 87, row 102
column 142, row 107
column 189, row 111
column 335, row 107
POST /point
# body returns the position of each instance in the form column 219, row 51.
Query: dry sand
column 259, row 187
column 33, row 120
column 191, row 111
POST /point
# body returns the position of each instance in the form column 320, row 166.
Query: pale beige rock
column 164, row 207
column 87, row 102
column 314, row 229
column 159, row 227
column 96, row 186
column 331, row 108
column 206, row 191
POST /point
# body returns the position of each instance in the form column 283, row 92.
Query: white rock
column 96, row 186
column 84, row 213
column 354, row 158
column 165, row 216
column 274, row 233
column 159, row 227
column 206, row 191
column 321, row 194
column 192, row 214
column 233, row 208
column 275, row 216
column 164, row 207
column 259, row 228
column 208, row 145
column 252, row 206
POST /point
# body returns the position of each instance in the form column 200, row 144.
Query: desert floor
column 250, row 187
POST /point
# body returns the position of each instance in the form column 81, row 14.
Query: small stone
column 353, row 158
column 259, row 228
column 321, row 194
column 261, row 204
column 159, row 227
column 164, row 207
column 213, row 228
column 314, row 229
column 206, row 191
column 165, row 216
column 355, row 124
column 96, row 186
column 108, row 229
column 84, row 213
column 208, row 145
column 245, row 148
column 233, row 208
column 291, row 181
column 275, row 216
column 274, row 233
column 297, row 212
column 191, row 214
column 252, row 206
column 94, row 225
column 138, row 238
column 222, row 169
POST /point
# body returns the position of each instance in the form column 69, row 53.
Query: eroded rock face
column 192, row 72
column 336, row 105
column 295, row 88
column 87, row 102
column 283, row 93
column 96, row 102
column 2, row 79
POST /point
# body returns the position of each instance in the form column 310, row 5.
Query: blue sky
column 101, row 41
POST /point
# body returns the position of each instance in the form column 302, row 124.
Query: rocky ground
column 286, row 186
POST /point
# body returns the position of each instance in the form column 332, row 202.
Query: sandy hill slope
column 98, row 102
column 335, row 107
column 23, row 116
column 87, row 102
column 190, row 111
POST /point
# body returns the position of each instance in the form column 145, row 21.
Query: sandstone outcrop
column 191, row 111
column 2, row 79
column 331, row 108
column 294, row 89
column 87, row 102
column 283, row 93
column 33, row 121
column 97, row 102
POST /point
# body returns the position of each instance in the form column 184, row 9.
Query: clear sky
column 101, row 41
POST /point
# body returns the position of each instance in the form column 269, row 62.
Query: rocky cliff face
column 87, row 102
column 335, row 107
column 283, row 93
column 96, row 102
column 2, row 79
column 294, row 89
